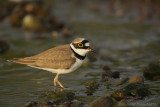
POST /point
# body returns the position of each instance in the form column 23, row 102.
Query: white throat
column 81, row 52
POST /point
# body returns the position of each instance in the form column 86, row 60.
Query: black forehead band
column 85, row 41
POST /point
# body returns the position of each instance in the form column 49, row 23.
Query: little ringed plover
column 61, row 59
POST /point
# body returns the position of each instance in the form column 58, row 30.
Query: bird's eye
column 80, row 45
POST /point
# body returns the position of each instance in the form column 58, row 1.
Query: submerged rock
column 152, row 71
column 106, row 73
column 115, row 74
column 91, row 87
column 56, row 99
column 131, row 90
column 52, row 99
column 136, row 78
column 109, row 73
column 60, row 96
column 103, row 102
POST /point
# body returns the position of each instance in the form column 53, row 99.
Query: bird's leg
column 55, row 84
column 56, row 81
column 59, row 82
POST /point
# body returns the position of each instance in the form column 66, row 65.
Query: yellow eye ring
column 80, row 45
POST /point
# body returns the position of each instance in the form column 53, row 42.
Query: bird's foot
column 62, row 89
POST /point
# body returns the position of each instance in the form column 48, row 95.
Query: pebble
column 136, row 78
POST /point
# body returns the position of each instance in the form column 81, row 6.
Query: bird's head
column 81, row 46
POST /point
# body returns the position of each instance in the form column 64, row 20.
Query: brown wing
column 55, row 58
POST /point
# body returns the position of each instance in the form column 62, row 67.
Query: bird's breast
column 77, row 64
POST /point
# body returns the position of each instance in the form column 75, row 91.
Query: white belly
column 76, row 65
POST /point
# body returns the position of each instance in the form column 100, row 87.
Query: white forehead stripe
column 87, row 44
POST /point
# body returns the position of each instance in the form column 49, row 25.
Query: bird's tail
column 13, row 60
column 21, row 61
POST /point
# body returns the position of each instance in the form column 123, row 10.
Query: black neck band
column 78, row 56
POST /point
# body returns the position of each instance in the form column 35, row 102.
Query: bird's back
column 60, row 57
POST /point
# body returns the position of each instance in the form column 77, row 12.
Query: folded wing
column 56, row 58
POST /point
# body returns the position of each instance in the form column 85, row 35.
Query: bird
column 62, row 59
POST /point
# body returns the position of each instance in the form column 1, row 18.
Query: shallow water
column 124, row 45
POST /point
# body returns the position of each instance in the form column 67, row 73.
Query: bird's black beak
column 90, row 49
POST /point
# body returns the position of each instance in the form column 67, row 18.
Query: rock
column 119, row 94
column 60, row 96
column 108, row 73
column 122, row 103
column 103, row 102
column 106, row 68
column 131, row 90
column 115, row 74
column 30, row 22
column 56, row 99
column 137, row 89
column 152, row 71
column 136, row 78
column 91, row 87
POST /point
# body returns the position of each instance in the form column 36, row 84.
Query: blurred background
column 124, row 33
